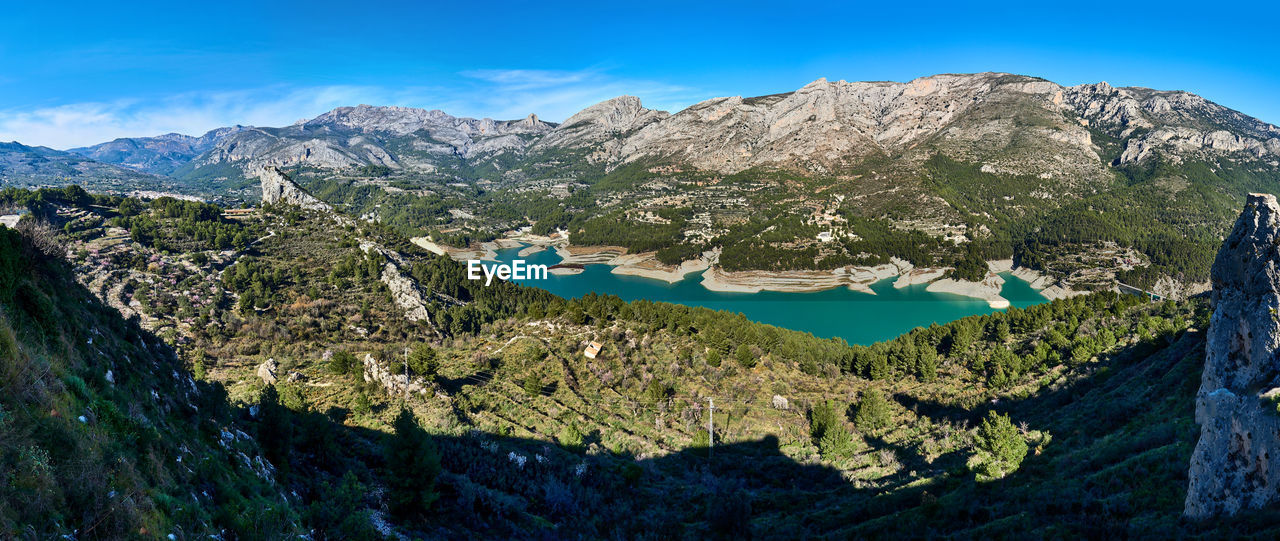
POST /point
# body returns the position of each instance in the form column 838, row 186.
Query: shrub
column 701, row 439
column 275, row 427
column 533, row 384
column 1000, row 448
column 713, row 358
column 658, row 392
column 729, row 514
column 745, row 357
column 570, row 437
column 836, row 442
column 338, row 512
column 343, row 362
column 362, row 406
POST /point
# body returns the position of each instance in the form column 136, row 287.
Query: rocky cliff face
column 1009, row 123
column 1012, row 123
column 1236, row 464
column 279, row 188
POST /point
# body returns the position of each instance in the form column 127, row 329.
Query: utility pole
column 711, row 427
column 406, row 373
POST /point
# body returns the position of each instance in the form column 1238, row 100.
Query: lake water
column 857, row 317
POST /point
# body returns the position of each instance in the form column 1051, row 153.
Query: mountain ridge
column 819, row 127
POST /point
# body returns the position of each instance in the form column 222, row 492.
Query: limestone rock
column 602, row 122
column 1236, row 463
column 780, row 402
column 405, row 291
column 391, row 378
column 277, row 188
column 267, row 371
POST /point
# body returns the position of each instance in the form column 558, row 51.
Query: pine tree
column 423, row 362
column 1000, row 447
column 873, row 412
column 744, row 356
column 275, row 428
column 836, row 441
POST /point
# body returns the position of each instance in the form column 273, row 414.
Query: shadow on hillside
column 1108, row 373
column 454, row 386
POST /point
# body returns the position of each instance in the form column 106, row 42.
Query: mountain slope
column 1091, row 184
column 22, row 165
column 104, row 434
column 536, row 440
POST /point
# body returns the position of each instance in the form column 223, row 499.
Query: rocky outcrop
column 1236, row 464
column 395, row 382
column 278, row 188
column 267, row 371
column 988, row 289
column 406, row 293
column 603, row 122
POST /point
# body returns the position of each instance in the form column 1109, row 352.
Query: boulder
column 267, row 371
column 780, row 402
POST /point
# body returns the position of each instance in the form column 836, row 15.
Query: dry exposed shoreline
column 717, row 279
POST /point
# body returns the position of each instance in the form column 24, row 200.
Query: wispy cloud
column 502, row 94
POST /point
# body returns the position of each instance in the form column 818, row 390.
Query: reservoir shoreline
column 714, row 278
column 860, row 308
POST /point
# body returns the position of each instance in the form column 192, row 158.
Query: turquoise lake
column 858, row 318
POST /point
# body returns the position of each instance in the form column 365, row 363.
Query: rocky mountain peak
column 1236, row 464
column 603, row 122
column 611, row 115
column 816, row 83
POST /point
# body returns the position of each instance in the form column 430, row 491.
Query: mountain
column 159, row 155
column 397, row 138
column 1014, row 124
column 25, row 165
column 1090, row 184
column 1009, row 123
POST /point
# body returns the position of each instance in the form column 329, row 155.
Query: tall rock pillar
column 1236, row 464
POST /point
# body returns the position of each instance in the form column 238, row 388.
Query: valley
column 297, row 322
column 966, row 306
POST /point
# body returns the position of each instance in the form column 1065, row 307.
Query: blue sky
column 80, row 73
